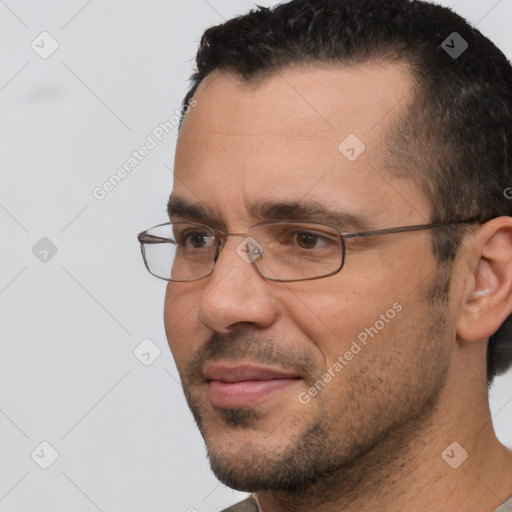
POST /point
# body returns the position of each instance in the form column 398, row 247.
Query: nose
column 235, row 293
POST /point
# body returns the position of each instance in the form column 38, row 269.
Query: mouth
column 245, row 385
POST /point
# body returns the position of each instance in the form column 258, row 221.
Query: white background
column 125, row 438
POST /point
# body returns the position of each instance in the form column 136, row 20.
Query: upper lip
column 244, row 372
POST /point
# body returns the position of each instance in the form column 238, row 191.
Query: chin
column 252, row 460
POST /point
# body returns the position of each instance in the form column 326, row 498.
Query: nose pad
column 249, row 250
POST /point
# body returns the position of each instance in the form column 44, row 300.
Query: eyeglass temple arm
column 151, row 239
column 418, row 227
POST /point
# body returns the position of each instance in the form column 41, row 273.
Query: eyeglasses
column 282, row 250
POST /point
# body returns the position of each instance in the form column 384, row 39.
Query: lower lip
column 248, row 393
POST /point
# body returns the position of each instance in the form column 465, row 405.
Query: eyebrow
column 306, row 210
column 270, row 210
column 178, row 207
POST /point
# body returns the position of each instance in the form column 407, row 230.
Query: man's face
column 290, row 382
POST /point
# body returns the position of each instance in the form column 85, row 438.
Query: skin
column 374, row 435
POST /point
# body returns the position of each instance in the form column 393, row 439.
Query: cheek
column 179, row 321
column 335, row 314
column 360, row 325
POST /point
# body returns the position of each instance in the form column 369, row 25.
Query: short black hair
column 455, row 137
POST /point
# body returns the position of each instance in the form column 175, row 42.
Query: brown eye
column 310, row 240
column 196, row 239
column 307, row 240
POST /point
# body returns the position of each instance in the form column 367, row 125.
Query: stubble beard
column 335, row 454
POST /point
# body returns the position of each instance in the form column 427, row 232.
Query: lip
column 245, row 385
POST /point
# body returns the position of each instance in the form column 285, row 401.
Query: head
column 361, row 359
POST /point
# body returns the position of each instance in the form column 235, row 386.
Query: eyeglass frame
column 218, row 234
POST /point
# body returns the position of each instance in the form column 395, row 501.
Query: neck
column 418, row 471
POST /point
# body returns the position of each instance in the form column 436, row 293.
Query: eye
column 308, row 240
column 194, row 239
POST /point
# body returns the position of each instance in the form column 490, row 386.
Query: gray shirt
column 506, row 507
column 249, row 505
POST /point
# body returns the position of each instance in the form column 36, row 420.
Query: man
column 340, row 258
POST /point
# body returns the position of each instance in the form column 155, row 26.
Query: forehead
column 306, row 131
column 326, row 97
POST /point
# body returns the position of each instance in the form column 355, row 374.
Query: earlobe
column 488, row 299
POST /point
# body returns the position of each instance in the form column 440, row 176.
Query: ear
column 487, row 299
